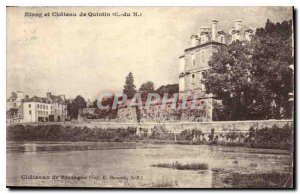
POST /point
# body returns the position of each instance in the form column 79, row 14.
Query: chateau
column 192, row 65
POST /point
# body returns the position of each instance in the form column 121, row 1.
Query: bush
column 179, row 166
column 274, row 137
column 62, row 133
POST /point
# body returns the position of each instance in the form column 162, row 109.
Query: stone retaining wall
column 177, row 127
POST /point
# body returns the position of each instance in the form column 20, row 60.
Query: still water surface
column 104, row 164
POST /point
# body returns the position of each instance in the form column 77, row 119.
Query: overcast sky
column 86, row 56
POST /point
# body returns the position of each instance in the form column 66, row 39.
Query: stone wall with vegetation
column 261, row 135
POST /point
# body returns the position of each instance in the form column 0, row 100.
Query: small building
column 12, row 116
column 59, row 107
column 15, row 100
column 89, row 113
column 44, row 109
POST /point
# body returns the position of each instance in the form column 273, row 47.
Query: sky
column 90, row 55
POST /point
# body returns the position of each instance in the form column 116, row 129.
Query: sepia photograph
column 150, row 97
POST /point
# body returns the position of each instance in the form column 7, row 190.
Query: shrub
column 179, row 166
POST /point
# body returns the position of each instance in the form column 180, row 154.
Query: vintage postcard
column 150, row 97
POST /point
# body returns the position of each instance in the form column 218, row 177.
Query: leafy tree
column 129, row 87
column 229, row 77
column 253, row 79
column 171, row 89
column 95, row 104
column 273, row 54
column 146, row 88
column 75, row 105
column 106, row 113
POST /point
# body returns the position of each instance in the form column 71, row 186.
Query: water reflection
column 228, row 166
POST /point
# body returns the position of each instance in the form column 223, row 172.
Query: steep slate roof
column 39, row 99
column 57, row 99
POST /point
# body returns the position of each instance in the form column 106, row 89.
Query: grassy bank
column 67, row 133
column 227, row 179
column 273, row 137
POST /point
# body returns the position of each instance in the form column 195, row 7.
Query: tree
column 106, row 113
column 147, row 87
column 253, row 79
column 75, row 105
column 229, row 77
column 273, row 54
column 95, row 105
column 171, row 89
column 129, row 87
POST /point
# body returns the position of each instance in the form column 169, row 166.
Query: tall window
column 193, row 60
column 202, row 57
column 199, row 78
column 29, row 105
column 193, row 78
column 30, row 112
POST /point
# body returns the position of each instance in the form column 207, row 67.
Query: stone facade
column 194, row 63
column 158, row 114
column 127, row 114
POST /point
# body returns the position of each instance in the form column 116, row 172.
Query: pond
column 113, row 164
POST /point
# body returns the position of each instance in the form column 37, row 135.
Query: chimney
column 214, row 30
column 237, row 24
column 20, row 95
column 202, row 29
column 49, row 95
column 62, row 97
column 26, row 99
column 231, row 30
column 194, row 40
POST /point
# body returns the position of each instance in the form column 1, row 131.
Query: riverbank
column 268, row 137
